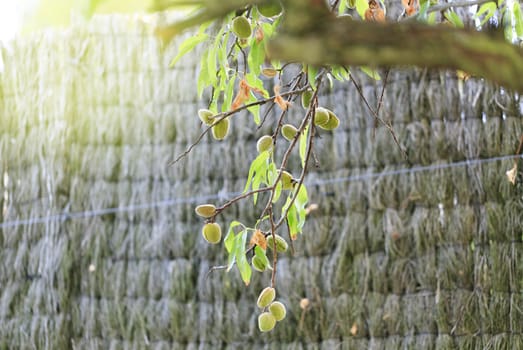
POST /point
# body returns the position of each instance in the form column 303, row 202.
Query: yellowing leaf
column 283, row 104
column 258, row 239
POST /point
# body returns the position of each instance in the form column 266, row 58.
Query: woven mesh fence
column 100, row 247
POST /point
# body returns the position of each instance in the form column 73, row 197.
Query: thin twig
column 274, row 250
column 287, row 152
column 297, row 187
column 310, row 120
column 240, row 197
column 380, row 101
column 443, row 7
column 387, row 125
column 334, row 4
column 516, row 157
column 220, row 116
column 214, row 268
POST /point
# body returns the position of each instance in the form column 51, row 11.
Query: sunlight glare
column 10, row 20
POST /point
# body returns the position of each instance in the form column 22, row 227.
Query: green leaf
column 258, row 165
column 229, row 93
column 235, row 246
column 188, row 45
column 203, row 77
column 342, row 7
column 518, row 14
column 269, row 28
column 431, row 19
column 311, row 75
column 508, row 25
column 453, row 18
column 340, row 73
column 222, row 52
column 422, row 13
column 277, row 192
column 257, row 83
column 255, row 110
column 303, row 145
column 228, row 241
column 261, row 254
column 489, row 9
column 292, row 217
column 256, row 55
column 211, row 64
column 256, row 182
column 302, row 198
column 272, row 175
column 299, row 203
column 371, row 72
column 361, row 7
column 241, row 258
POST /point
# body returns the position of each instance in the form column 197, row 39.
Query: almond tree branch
column 312, row 34
column 482, row 54
column 465, row 3
column 220, row 116
column 376, row 116
column 297, row 187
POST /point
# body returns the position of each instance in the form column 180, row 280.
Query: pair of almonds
column 220, row 130
column 211, row 231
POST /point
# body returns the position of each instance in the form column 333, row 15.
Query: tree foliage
column 249, row 41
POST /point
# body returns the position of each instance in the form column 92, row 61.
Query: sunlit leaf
column 311, row 75
column 211, row 63
column 518, row 15
column 256, row 55
column 203, row 77
column 422, row 13
column 371, row 72
column 340, row 73
column 188, row 45
column 235, row 246
column 229, row 93
column 268, row 28
column 361, row 7
column 222, row 51
column 228, row 241
column 431, row 19
column 292, row 219
column 261, row 254
column 342, row 7
column 258, row 165
column 489, row 9
column 303, row 145
column 508, row 25
column 241, row 258
column 453, row 18
column 256, row 84
column 277, row 192
column 255, row 111
column 300, row 204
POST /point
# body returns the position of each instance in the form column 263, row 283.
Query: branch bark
column 348, row 42
column 312, row 34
